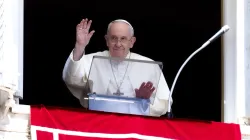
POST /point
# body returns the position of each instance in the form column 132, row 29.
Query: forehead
column 119, row 29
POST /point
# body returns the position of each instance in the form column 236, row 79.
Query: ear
column 106, row 38
column 133, row 39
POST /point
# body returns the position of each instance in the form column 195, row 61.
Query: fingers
column 88, row 25
column 149, row 85
column 91, row 34
column 146, row 85
column 145, row 90
column 152, row 90
column 149, row 91
column 142, row 85
column 137, row 93
column 84, row 24
column 78, row 27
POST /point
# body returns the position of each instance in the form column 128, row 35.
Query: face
column 119, row 40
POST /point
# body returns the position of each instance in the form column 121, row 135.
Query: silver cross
column 118, row 93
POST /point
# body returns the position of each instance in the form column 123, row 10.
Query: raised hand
column 145, row 90
column 83, row 37
column 82, row 33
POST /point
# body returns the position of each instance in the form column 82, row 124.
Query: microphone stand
column 219, row 33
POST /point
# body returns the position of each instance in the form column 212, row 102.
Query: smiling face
column 119, row 39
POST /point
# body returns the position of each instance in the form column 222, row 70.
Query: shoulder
column 140, row 57
column 100, row 53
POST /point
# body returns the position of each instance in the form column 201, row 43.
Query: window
column 236, row 51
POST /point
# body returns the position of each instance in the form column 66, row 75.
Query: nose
column 118, row 43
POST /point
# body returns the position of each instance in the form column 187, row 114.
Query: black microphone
column 223, row 30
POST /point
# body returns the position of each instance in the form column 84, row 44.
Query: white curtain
column 11, row 45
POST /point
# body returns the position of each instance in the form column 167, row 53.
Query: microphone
column 223, row 30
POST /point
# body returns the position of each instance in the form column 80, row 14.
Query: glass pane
column 115, row 81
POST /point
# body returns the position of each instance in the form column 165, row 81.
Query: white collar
column 127, row 57
column 123, row 62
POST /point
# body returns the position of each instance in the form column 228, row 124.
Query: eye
column 113, row 37
column 123, row 38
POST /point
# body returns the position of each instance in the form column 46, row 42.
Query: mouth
column 118, row 49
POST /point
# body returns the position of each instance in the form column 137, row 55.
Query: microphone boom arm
column 218, row 34
column 183, row 65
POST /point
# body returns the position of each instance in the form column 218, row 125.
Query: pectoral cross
column 118, row 93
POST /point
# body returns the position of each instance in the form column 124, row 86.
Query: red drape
column 64, row 124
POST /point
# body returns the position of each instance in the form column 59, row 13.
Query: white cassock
column 108, row 76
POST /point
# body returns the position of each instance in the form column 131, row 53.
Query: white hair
column 123, row 21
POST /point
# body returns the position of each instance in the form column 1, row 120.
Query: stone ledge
column 245, row 132
column 14, row 136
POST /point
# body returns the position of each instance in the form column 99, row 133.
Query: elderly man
column 119, row 40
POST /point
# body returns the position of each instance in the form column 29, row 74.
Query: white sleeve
column 75, row 74
column 160, row 104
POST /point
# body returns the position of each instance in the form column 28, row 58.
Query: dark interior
column 167, row 31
